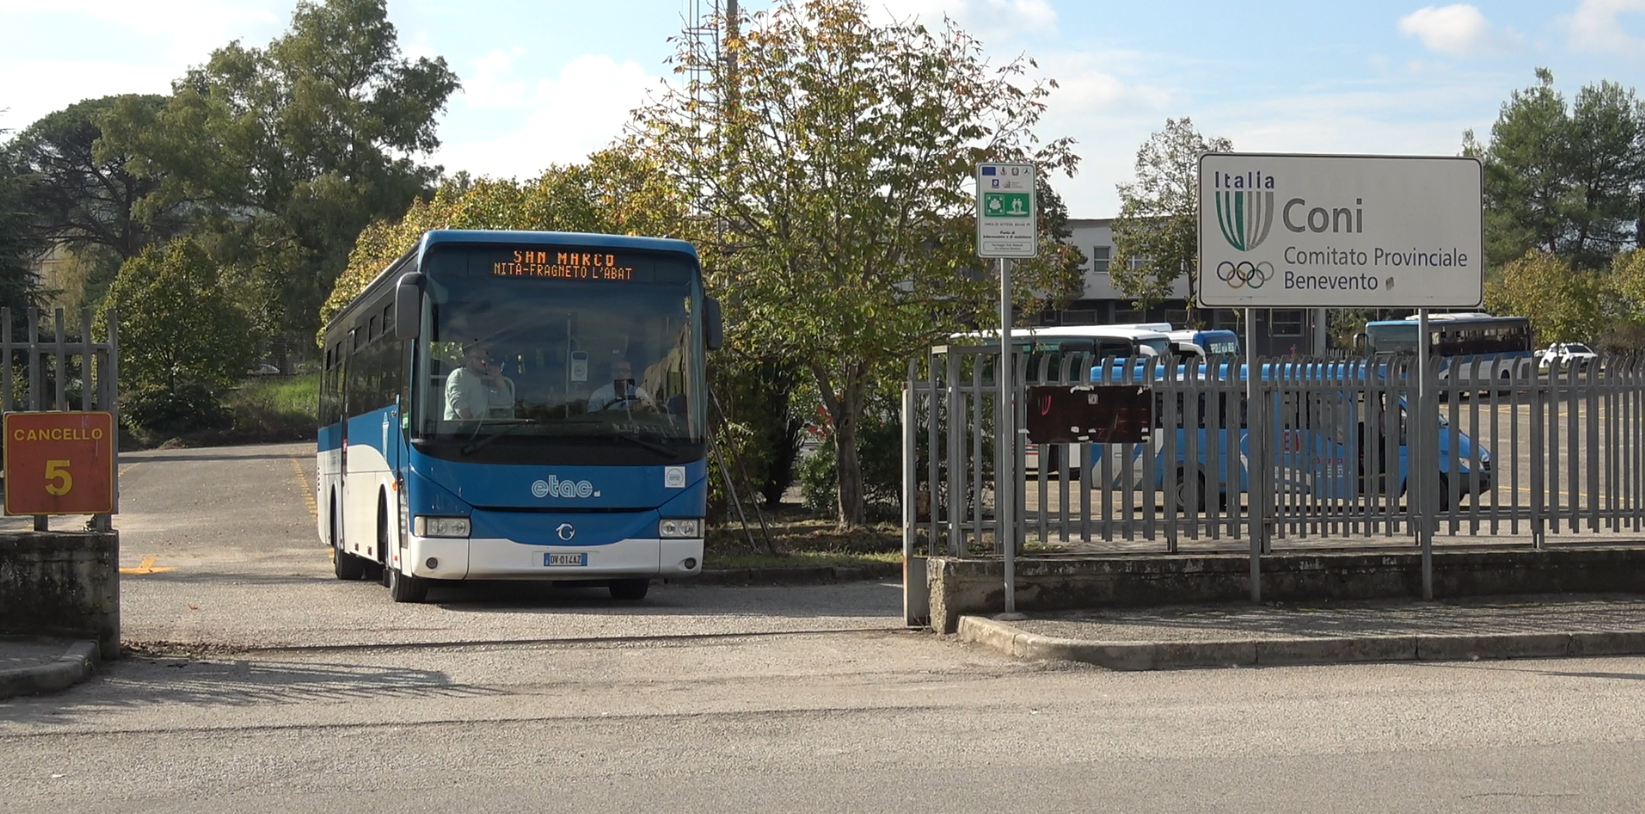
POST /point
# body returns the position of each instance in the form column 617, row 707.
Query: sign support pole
column 1005, row 482
column 1421, row 477
column 1257, row 471
column 1007, row 227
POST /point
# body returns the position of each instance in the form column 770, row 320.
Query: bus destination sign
column 564, row 265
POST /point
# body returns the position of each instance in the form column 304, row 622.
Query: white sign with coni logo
column 1323, row 231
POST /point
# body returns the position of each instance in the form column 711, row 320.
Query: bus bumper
column 481, row 558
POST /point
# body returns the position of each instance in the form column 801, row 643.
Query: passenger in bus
column 620, row 392
column 478, row 389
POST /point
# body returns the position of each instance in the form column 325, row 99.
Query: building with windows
column 1279, row 332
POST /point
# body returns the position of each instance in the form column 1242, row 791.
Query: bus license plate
column 552, row 559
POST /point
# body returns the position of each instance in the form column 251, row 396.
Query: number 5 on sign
column 60, row 463
column 58, row 479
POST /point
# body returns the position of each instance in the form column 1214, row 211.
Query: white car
column 1565, row 354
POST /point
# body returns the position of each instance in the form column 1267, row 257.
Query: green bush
column 184, row 407
column 819, row 486
column 879, row 451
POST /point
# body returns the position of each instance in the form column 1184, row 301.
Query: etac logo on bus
column 563, row 488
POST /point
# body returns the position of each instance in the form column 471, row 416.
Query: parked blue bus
column 1327, row 444
column 519, row 405
column 1191, row 343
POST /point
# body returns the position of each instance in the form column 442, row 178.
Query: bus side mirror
column 408, row 306
column 713, row 329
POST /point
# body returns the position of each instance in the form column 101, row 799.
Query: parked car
column 1563, row 354
column 264, row 369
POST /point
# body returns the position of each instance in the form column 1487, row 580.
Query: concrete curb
column 1312, row 650
column 795, row 576
column 75, row 666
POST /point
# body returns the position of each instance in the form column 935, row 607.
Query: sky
column 548, row 82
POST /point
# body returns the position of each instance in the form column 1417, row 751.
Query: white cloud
column 567, row 117
column 1458, row 30
column 26, row 102
column 185, row 31
column 1595, row 26
column 492, row 83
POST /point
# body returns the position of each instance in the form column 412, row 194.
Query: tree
column 288, row 152
column 20, row 244
column 613, row 192
column 833, row 157
column 80, row 200
column 1563, row 306
column 1563, row 179
column 182, row 340
column 1156, row 235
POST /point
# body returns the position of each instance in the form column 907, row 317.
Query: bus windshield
column 1391, row 338
column 1161, row 346
column 594, row 350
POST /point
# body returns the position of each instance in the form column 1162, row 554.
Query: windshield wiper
column 638, row 441
column 476, row 446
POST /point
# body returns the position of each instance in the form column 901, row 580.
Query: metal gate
column 1315, row 454
column 46, row 369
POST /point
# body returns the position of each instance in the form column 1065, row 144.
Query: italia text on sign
column 59, row 463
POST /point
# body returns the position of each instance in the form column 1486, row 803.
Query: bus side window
column 1113, row 347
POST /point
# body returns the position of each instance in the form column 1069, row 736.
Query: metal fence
column 1315, row 454
column 49, row 367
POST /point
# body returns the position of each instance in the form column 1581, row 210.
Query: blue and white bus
column 1199, row 343
column 1472, row 347
column 519, row 405
column 1193, row 344
column 1327, row 444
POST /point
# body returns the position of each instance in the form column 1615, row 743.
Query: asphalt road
column 306, row 694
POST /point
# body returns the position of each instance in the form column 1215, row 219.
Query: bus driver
column 478, row 389
column 631, row 395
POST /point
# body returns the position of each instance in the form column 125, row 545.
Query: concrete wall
column 62, row 584
column 964, row 586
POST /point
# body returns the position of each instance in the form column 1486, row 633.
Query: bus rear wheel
column 344, row 565
column 629, row 590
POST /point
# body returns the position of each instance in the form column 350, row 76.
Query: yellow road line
column 147, row 566
column 308, row 493
column 1580, row 495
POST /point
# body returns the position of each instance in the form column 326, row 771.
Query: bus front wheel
column 404, row 587
column 629, row 590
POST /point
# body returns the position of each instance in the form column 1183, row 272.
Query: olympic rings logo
column 1245, row 273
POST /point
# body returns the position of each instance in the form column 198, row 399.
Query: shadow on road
column 137, row 682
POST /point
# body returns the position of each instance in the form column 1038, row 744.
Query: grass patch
column 262, row 410
column 801, row 540
column 276, row 403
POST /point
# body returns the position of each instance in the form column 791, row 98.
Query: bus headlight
column 425, row 526
column 675, row 528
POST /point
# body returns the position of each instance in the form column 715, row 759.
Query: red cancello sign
column 59, row 463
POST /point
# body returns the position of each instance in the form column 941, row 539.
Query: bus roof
column 1464, row 318
column 1121, row 331
column 581, row 239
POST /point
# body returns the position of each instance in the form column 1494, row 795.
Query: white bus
column 1193, row 344
column 1473, row 347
